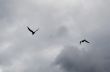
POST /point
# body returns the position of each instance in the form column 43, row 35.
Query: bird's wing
column 37, row 29
column 87, row 41
column 29, row 29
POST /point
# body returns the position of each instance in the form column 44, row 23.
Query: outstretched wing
column 87, row 41
column 37, row 29
column 29, row 29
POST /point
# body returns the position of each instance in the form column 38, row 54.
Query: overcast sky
column 55, row 47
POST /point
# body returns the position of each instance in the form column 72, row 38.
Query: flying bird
column 33, row 32
column 84, row 41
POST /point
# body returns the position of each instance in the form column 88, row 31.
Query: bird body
column 33, row 32
column 84, row 41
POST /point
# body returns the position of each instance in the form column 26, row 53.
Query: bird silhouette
column 84, row 41
column 33, row 32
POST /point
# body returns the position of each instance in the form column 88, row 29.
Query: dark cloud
column 94, row 57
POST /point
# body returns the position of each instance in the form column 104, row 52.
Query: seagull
column 84, row 41
column 33, row 32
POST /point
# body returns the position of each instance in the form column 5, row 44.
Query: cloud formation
column 55, row 48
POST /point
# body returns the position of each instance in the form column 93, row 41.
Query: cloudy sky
column 55, row 47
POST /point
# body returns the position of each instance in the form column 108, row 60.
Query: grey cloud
column 73, row 59
column 19, row 16
column 96, row 58
column 63, row 25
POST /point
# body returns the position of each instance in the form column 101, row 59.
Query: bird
column 84, row 40
column 33, row 32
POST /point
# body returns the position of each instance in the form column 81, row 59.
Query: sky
column 55, row 47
